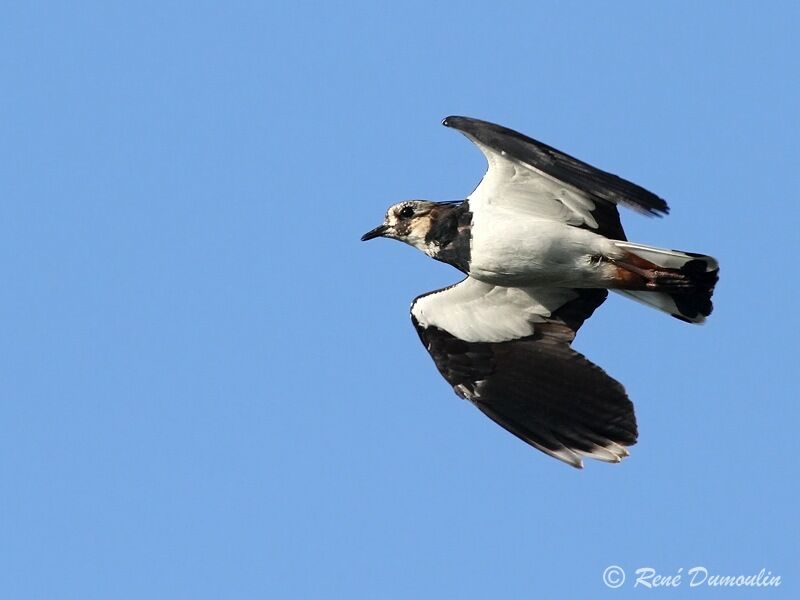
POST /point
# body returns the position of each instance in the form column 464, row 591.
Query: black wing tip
column 659, row 209
column 650, row 204
column 461, row 122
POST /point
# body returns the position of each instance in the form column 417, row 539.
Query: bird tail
column 678, row 283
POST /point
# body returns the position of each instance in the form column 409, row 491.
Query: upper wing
column 534, row 178
column 507, row 351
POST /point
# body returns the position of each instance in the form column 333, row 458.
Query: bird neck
column 448, row 238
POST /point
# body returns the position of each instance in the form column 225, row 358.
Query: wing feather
column 532, row 177
column 534, row 385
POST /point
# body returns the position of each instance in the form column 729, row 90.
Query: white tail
column 692, row 305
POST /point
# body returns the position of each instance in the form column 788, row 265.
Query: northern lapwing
column 540, row 242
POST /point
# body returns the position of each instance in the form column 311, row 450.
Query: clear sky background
column 211, row 389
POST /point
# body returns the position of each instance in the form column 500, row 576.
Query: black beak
column 377, row 232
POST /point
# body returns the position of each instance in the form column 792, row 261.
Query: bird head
column 407, row 222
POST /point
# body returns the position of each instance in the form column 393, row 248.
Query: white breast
column 510, row 249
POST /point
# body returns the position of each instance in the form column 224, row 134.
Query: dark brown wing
column 540, row 389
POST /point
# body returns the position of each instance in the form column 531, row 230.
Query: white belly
column 523, row 251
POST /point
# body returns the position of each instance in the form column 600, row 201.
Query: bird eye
column 406, row 212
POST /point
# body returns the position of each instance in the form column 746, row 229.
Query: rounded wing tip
column 661, row 209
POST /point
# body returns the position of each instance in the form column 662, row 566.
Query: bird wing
column 507, row 350
column 535, row 179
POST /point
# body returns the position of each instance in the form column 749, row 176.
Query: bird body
column 507, row 250
column 540, row 242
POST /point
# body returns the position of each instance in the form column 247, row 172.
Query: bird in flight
column 540, row 242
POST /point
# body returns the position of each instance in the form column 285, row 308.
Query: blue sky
column 211, row 388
